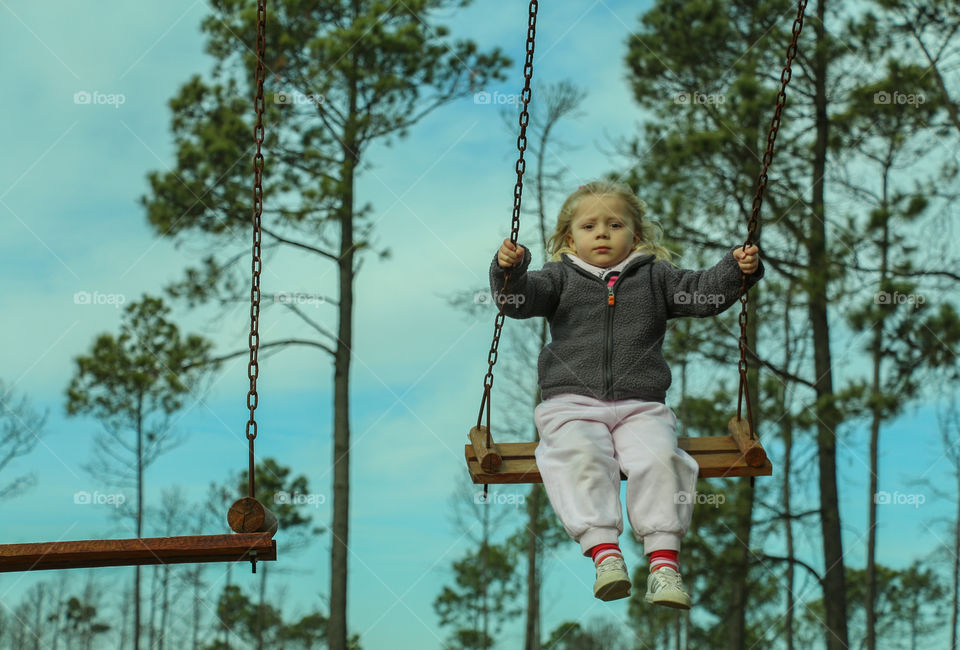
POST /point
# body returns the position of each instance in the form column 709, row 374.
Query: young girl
column 608, row 292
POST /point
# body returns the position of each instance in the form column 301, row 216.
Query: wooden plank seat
column 129, row 552
column 718, row 456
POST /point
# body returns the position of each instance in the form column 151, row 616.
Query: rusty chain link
column 515, row 223
column 253, row 369
column 785, row 75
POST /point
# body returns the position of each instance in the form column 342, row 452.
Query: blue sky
column 72, row 175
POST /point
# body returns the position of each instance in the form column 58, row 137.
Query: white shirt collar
column 602, row 271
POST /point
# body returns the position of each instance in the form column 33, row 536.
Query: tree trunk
column 337, row 629
column 877, row 353
column 91, row 599
column 532, row 632
column 788, row 450
column 58, row 607
column 136, row 578
column 261, row 604
column 871, row 576
column 535, row 510
column 226, row 630
column 195, row 632
column 835, row 600
column 152, row 620
column 743, row 525
column 956, row 566
column 787, row 429
column 484, row 564
column 537, row 503
column 38, row 618
column 743, row 497
column 123, row 623
column 164, row 608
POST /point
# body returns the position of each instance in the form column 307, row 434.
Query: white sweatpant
column 585, row 442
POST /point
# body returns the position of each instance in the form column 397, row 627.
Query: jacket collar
column 636, row 258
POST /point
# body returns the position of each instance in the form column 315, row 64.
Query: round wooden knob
column 749, row 447
column 490, row 458
column 247, row 515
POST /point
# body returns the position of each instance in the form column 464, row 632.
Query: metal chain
column 515, row 223
column 785, row 76
column 253, row 369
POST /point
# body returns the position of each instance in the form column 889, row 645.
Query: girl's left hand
column 749, row 260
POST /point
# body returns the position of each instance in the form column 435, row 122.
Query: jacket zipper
column 608, row 328
column 608, row 336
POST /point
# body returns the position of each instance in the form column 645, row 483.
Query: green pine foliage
column 482, row 598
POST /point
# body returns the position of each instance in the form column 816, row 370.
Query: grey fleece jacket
column 606, row 342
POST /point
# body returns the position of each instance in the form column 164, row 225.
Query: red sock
column 601, row 552
column 660, row 559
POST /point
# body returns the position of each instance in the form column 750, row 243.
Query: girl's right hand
column 510, row 254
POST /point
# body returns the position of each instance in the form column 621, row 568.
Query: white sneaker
column 613, row 581
column 664, row 587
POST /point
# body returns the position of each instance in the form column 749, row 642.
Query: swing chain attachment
column 515, row 222
column 752, row 224
column 253, row 368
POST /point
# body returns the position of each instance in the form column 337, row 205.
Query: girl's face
column 601, row 232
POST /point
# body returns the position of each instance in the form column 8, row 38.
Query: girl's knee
column 652, row 461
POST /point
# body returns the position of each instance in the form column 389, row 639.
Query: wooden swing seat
column 736, row 454
column 138, row 551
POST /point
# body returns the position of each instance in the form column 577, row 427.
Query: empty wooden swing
column 254, row 524
column 738, row 454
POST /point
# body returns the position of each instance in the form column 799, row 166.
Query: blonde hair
column 649, row 234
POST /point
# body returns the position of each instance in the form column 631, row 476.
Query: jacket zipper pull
column 610, row 281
